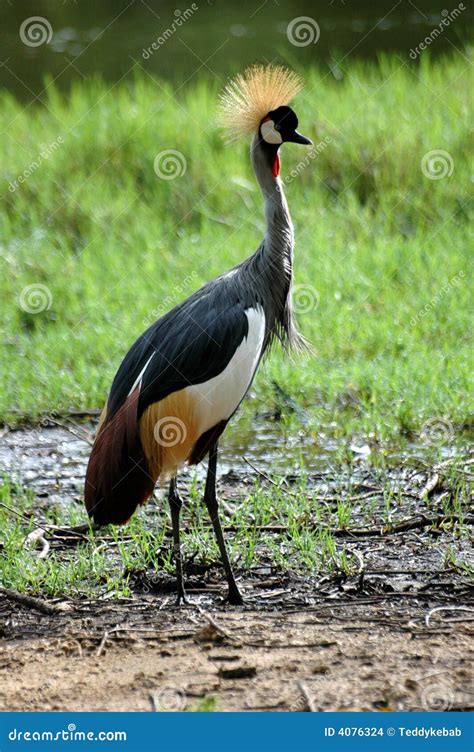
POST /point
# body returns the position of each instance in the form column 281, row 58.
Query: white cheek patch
column 269, row 133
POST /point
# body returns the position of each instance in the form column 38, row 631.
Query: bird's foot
column 181, row 598
column 233, row 597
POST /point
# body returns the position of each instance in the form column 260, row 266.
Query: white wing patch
column 218, row 398
column 140, row 375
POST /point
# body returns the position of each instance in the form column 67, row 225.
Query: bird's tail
column 118, row 477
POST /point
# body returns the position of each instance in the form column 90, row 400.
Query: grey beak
column 298, row 138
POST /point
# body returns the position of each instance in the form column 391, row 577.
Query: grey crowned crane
column 184, row 378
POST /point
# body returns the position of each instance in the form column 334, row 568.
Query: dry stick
column 77, row 533
column 84, row 527
column 262, row 474
column 279, row 485
column 37, row 536
column 102, row 644
column 306, row 694
column 77, row 434
column 213, row 622
column 284, row 482
column 413, row 523
column 112, row 632
column 30, row 602
column 22, row 516
column 430, row 486
column 433, row 572
column 361, row 571
column 77, row 530
column 356, row 497
column 446, row 608
column 30, row 418
column 154, row 704
column 268, row 596
column 453, row 460
column 76, row 538
column 94, row 412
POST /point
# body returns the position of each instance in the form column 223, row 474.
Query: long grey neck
column 272, row 263
column 279, row 237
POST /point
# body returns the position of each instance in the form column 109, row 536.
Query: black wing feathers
column 191, row 344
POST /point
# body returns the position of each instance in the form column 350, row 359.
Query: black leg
column 210, row 499
column 175, row 508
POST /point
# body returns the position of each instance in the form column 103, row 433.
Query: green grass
column 109, row 561
column 115, row 246
column 290, row 528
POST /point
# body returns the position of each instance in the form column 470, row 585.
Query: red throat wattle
column 276, row 166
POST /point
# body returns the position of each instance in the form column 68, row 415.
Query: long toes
column 234, row 598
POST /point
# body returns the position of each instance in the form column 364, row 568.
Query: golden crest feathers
column 250, row 95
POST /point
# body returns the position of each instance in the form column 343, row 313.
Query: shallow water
column 52, row 460
column 112, row 37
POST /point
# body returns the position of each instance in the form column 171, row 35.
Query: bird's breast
column 218, row 398
column 171, row 428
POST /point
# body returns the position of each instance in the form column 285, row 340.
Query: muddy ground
column 359, row 653
column 396, row 633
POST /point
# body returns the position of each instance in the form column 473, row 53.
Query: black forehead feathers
column 285, row 118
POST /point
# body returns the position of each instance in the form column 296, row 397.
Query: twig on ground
column 154, row 705
column 213, row 622
column 438, row 609
column 261, row 473
column 430, row 486
column 102, row 644
column 37, row 536
column 82, row 435
column 361, row 571
column 268, row 596
column 24, row 517
column 412, row 523
column 454, row 460
column 130, row 629
column 307, row 696
column 322, row 498
column 30, row 602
